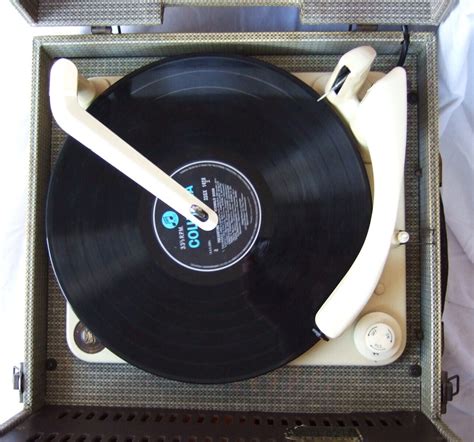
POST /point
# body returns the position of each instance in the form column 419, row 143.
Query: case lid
column 149, row 12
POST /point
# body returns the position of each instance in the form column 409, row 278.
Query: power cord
column 405, row 45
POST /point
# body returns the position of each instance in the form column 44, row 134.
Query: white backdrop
column 456, row 69
column 456, row 64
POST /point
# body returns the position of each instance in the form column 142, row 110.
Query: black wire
column 119, row 30
column 350, row 27
column 405, row 45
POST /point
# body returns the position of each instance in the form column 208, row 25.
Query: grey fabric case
column 289, row 389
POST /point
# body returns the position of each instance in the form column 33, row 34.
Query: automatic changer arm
column 77, row 122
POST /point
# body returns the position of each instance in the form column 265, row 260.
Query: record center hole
column 103, row 416
column 256, row 421
column 270, row 421
column 63, row 414
column 355, row 423
column 172, row 418
column 117, row 417
column 298, row 422
column 312, row 422
column 284, row 422
column 326, row 423
column 214, row 419
column 384, row 422
column 131, row 417
column 200, row 419
column 369, row 422
column 242, row 420
column 90, row 416
column 341, row 423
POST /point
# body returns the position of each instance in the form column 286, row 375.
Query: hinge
column 18, row 380
column 101, row 30
column 440, row 170
column 364, row 27
column 304, row 433
column 442, row 338
column 105, row 30
column 449, row 389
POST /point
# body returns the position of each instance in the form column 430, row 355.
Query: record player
column 395, row 398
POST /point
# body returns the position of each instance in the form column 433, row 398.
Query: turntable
column 372, row 334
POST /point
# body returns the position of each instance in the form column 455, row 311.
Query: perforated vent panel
column 83, row 424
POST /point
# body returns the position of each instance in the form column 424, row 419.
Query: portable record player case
column 67, row 399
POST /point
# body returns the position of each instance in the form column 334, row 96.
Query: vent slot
column 103, row 416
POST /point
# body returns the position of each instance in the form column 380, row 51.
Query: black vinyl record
column 293, row 200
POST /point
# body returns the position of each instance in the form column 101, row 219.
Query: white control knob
column 399, row 238
column 377, row 336
column 380, row 337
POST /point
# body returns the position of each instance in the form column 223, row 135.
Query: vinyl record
column 293, row 200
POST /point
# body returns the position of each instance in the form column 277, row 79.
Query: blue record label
column 231, row 195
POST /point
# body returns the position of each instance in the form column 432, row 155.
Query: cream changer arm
column 82, row 126
column 379, row 124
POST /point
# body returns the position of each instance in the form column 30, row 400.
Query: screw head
column 51, row 364
column 412, row 97
column 415, row 370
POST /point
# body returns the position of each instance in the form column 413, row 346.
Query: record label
column 231, row 195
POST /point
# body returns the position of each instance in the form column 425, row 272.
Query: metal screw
column 412, row 97
column 415, row 370
column 51, row 364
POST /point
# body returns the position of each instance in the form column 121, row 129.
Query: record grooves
column 293, row 199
